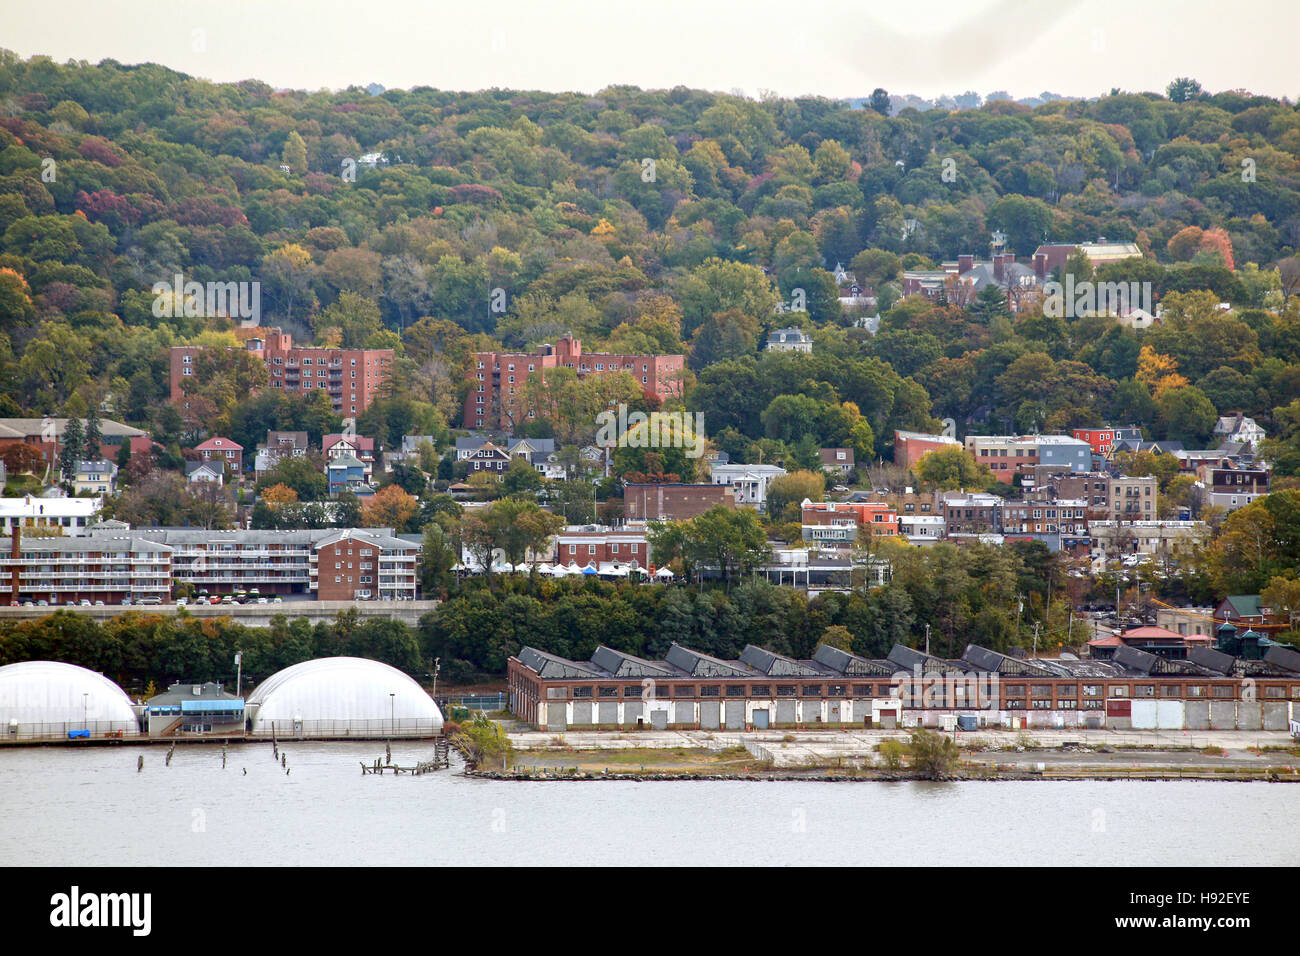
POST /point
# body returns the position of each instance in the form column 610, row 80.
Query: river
column 68, row 807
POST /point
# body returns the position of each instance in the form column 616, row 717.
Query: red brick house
column 224, row 450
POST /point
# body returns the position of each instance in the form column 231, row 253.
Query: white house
column 1239, row 428
column 789, row 340
column 749, row 482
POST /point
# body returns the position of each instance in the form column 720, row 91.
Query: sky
column 834, row 48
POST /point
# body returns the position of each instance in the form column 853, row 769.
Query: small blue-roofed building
column 194, row 709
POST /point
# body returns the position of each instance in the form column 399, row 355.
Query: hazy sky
column 833, row 48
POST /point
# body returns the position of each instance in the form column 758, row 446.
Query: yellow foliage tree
column 1158, row 372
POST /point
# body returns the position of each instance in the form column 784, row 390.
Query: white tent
column 613, row 570
column 543, row 568
column 664, row 573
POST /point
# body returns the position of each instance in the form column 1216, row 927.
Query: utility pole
column 927, row 640
column 1036, row 626
column 239, row 671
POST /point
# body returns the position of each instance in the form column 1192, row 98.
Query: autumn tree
column 390, row 507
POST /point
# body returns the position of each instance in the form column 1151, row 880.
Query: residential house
column 196, row 471
column 1232, row 487
column 1240, row 429
column 748, row 482
column 223, row 450
column 790, row 340
column 491, row 458
column 96, row 477
column 838, row 461
column 351, row 446
column 347, row 473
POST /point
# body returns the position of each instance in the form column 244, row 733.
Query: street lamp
column 392, row 712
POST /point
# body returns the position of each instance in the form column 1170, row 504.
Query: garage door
column 709, row 719
column 608, row 713
column 659, row 719
column 684, row 713
column 760, row 719
column 632, row 712
column 812, row 711
column 555, row 719
column 581, row 713
column 835, row 717
column 735, row 715
column 785, row 712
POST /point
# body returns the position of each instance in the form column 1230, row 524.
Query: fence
column 482, row 702
column 358, row 729
column 69, row 730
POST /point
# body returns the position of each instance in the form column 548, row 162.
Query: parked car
column 42, row 603
column 84, row 602
column 99, row 604
column 277, row 600
column 181, row 602
column 262, row 600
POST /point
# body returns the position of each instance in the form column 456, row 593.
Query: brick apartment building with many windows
column 350, row 377
column 497, row 379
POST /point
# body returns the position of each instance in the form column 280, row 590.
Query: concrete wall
column 1276, row 715
column 1249, row 715
column 1197, row 715
column 1223, row 715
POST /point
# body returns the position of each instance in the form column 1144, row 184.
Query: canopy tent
column 613, row 570
column 664, row 573
column 589, row 570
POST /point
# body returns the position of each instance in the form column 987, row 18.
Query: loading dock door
column 608, row 713
column 555, row 718
column 760, row 720
column 659, row 719
column 735, row 715
column 785, row 712
column 631, row 713
column 581, row 713
column 709, row 719
column 835, row 712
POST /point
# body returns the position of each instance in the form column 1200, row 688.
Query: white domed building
column 342, row 697
column 51, row 699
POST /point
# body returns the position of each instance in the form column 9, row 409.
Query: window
column 1119, row 690
column 760, row 690
column 579, row 692
column 785, row 690
column 680, row 691
column 609, row 692
column 812, row 690
column 735, row 690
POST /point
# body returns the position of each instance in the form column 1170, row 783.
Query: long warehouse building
column 763, row 689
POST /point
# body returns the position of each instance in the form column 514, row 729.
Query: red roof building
column 222, row 449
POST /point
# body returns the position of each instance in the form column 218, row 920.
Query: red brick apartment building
column 351, row 377
column 495, row 399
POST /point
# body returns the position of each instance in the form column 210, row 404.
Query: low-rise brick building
column 673, row 501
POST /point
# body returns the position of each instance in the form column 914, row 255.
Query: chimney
column 1040, row 265
column 999, row 267
column 965, row 264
